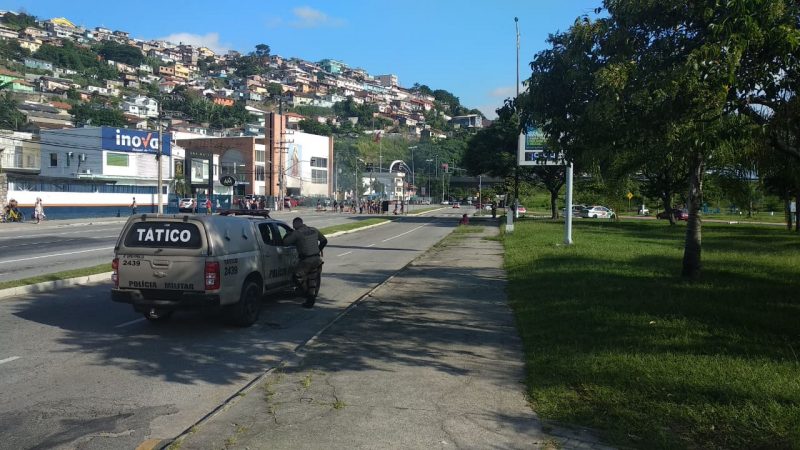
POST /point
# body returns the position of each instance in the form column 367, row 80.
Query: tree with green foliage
column 10, row 50
column 674, row 72
column 123, row 53
column 208, row 64
column 448, row 100
column 97, row 115
column 10, row 117
column 694, row 61
column 262, row 51
column 201, row 110
column 493, row 151
column 246, row 66
column 421, row 89
column 81, row 59
column 315, row 127
column 19, row 21
column 274, row 89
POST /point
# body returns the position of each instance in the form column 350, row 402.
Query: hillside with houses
column 58, row 75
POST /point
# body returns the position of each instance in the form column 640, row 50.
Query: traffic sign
column 630, row 195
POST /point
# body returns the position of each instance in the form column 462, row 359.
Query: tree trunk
column 553, row 201
column 797, row 212
column 692, row 248
column 667, row 200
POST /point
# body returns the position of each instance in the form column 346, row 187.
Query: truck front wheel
column 245, row 313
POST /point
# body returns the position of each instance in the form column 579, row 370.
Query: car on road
column 456, row 205
column 185, row 205
column 679, row 214
column 598, row 212
column 290, row 202
column 576, row 210
column 522, row 210
column 223, row 262
column 445, row 202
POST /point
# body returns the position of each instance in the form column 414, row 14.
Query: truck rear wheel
column 245, row 313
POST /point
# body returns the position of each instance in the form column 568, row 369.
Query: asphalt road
column 78, row 371
column 28, row 249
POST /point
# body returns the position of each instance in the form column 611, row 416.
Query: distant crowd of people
column 251, row 203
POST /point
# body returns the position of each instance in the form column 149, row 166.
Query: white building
column 140, row 106
column 308, row 164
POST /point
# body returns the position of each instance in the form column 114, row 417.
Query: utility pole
column 159, row 156
column 413, row 181
column 516, row 166
column 281, row 144
column 443, row 174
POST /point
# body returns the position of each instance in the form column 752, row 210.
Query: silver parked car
column 576, row 210
column 598, row 212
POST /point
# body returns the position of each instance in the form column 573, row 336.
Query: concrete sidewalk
column 431, row 360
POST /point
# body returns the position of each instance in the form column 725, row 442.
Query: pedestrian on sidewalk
column 38, row 210
column 208, row 206
column 464, row 220
column 133, row 207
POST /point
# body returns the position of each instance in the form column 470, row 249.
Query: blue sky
column 465, row 47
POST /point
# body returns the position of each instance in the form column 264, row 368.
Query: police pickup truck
column 163, row 263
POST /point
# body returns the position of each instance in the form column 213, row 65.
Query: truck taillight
column 212, row 275
column 115, row 272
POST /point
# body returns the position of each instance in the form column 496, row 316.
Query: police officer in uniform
column 309, row 242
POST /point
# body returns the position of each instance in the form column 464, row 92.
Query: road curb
column 53, row 285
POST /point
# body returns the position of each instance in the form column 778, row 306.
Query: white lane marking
column 130, row 323
column 403, row 234
column 13, row 358
column 53, row 234
column 64, row 240
column 371, row 245
column 56, row 254
column 345, row 253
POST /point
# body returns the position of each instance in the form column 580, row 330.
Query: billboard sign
column 134, row 141
column 532, row 150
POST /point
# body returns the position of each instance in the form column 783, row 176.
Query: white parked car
column 598, row 212
column 185, row 205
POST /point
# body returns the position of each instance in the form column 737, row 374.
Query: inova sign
column 138, row 141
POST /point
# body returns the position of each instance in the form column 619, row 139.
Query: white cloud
column 307, row 17
column 503, row 92
column 210, row 40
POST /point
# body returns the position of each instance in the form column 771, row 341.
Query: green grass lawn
column 616, row 340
